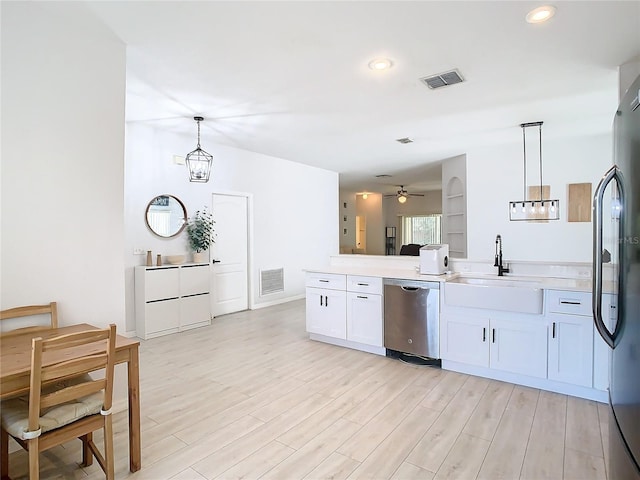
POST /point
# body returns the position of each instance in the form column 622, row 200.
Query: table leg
column 133, row 367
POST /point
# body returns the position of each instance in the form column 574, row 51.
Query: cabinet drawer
column 195, row 310
column 162, row 283
column 358, row 284
column 162, row 316
column 572, row 303
column 332, row 281
column 194, row 280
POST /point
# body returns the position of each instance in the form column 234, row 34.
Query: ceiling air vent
column 442, row 79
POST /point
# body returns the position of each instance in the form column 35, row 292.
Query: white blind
column 421, row 229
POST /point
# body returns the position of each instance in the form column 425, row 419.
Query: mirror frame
column 184, row 217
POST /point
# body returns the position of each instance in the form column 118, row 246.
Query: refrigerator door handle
column 613, row 172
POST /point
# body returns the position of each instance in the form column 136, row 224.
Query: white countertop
column 547, row 283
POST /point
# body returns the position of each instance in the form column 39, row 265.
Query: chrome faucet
column 498, row 262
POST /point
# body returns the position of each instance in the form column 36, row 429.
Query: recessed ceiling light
column 380, row 64
column 541, row 14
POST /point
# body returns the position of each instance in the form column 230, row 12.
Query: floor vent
column 271, row 281
column 442, row 79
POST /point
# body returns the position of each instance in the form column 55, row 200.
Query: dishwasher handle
column 409, row 289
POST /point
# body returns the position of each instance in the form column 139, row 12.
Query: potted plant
column 199, row 231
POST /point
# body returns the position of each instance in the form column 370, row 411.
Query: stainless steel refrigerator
column 616, row 230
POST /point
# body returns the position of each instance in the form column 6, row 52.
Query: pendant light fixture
column 540, row 208
column 199, row 162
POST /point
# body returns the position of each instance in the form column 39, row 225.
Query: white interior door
column 229, row 254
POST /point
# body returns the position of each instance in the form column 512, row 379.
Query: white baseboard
column 256, row 306
column 345, row 343
column 541, row 383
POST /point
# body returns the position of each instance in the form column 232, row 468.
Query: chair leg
column 4, row 454
column 34, row 461
column 108, row 448
column 87, row 455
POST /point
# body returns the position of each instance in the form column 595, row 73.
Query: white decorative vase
column 199, row 257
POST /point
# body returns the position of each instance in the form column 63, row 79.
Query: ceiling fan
column 402, row 195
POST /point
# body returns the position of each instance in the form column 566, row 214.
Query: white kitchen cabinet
column 171, row 299
column 570, row 349
column 570, row 337
column 364, row 310
column 346, row 310
column 517, row 345
column 326, row 312
column 464, row 338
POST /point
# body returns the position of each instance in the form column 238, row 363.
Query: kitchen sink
column 495, row 282
column 503, row 293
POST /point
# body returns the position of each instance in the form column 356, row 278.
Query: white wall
column 63, row 83
column 347, row 240
column 495, row 176
column 295, row 207
column 371, row 209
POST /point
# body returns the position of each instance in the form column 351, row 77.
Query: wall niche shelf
column 454, row 208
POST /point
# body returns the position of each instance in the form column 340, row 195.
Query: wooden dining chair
column 29, row 311
column 64, row 401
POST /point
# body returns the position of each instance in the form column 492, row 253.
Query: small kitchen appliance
column 434, row 259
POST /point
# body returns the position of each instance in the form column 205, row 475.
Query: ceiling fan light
column 402, row 198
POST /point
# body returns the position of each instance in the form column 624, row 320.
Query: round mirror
column 166, row 216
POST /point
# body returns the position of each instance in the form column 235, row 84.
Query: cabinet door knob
column 493, row 332
column 553, row 330
column 216, row 261
column 484, row 334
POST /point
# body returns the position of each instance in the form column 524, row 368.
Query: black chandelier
column 199, row 162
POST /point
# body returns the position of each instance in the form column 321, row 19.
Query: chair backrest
column 64, row 361
column 50, row 309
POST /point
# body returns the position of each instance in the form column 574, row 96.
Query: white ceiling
column 290, row 79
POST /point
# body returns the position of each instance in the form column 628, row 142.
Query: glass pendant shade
column 198, row 161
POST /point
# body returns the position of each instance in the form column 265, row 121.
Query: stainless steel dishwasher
column 411, row 317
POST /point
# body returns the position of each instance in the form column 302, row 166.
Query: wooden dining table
column 15, row 367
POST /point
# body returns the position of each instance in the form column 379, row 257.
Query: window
column 421, row 229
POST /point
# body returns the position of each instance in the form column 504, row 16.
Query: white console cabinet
column 171, row 299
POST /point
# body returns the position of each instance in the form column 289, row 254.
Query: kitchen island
column 532, row 327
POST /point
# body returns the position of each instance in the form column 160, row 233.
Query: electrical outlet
column 139, row 251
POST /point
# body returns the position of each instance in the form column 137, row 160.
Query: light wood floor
column 251, row 397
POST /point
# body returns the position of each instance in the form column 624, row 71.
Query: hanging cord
column 540, row 149
column 524, row 156
column 198, row 134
